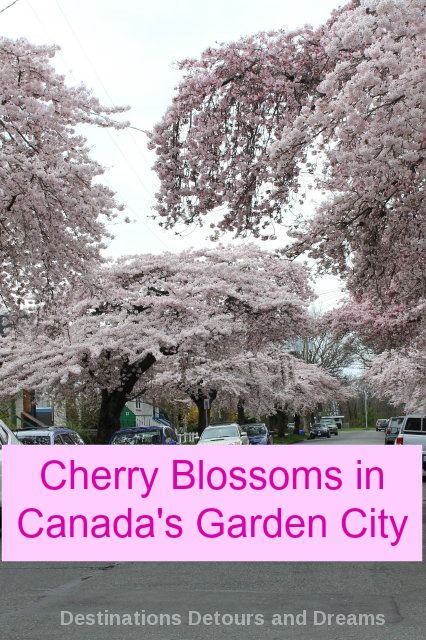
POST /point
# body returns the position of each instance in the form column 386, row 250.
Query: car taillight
column 388, row 432
column 399, row 440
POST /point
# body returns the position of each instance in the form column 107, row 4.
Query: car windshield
column 219, row 432
column 71, row 438
column 255, row 430
column 35, row 439
column 148, row 436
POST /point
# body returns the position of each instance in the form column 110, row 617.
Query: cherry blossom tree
column 52, row 210
column 110, row 330
column 378, row 203
column 263, row 381
column 367, row 131
column 300, row 386
column 400, row 376
column 255, row 124
column 332, row 349
column 214, row 142
column 343, row 103
column 395, row 337
column 231, row 376
column 228, row 374
column 379, row 328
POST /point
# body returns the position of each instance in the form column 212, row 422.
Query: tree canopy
column 119, row 321
column 262, row 381
column 339, row 109
column 343, row 103
column 52, row 211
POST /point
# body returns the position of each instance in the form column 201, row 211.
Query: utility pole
column 365, row 408
column 206, row 409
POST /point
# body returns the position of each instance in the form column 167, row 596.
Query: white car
column 224, row 434
column 6, row 437
column 412, row 430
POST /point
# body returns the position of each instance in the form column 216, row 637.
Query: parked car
column 145, row 435
column 224, row 434
column 392, row 429
column 413, row 431
column 6, row 437
column 50, row 435
column 257, row 433
column 337, row 420
column 381, row 424
column 319, row 430
column 332, row 426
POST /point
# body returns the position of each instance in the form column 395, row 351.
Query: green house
column 137, row 413
column 127, row 418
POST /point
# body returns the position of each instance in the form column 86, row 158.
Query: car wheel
column 337, row 433
column 328, row 435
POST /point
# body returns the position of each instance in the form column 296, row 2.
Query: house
column 137, row 413
column 38, row 410
column 30, row 409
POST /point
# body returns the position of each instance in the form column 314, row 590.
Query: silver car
column 224, row 434
column 50, row 435
column 332, row 427
column 393, row 428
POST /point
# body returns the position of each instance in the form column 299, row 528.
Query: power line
column 147, row 190
column 95, row 71
column 8, row 6
column 106, row 92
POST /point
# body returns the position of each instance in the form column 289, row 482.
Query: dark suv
column 257, row 433
column 145, row 435
column 319, row 430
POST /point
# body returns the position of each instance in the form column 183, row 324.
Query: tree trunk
column 282, row 422
column 296, row 423
column 112, row 404
column 278, row 421
column 240, row 412
column 203, row 414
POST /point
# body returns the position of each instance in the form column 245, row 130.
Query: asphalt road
column 391, row 595
column 369, row 436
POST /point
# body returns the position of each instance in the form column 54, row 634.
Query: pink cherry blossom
column 340, row 108
column 122, row 319
column 52, row 210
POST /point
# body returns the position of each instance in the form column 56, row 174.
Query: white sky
column 124, row 51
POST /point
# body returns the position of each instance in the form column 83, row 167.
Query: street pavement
column 228, row 595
